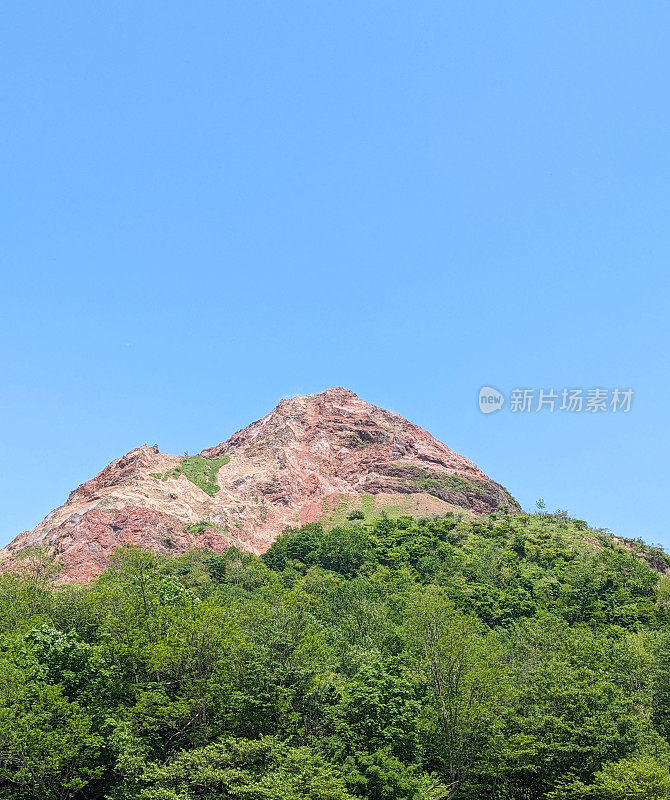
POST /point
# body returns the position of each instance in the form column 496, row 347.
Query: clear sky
column 207, row 206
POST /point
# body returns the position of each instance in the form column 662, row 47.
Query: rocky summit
column 322, row 457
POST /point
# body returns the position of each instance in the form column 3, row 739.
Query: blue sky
column 209, row 205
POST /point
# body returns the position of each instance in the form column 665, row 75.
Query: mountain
column 317, row 457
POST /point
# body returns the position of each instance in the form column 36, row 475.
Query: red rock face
column 313, row 458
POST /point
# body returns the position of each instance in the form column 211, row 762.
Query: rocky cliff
column 317, row 457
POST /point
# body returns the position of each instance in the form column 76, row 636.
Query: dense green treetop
column 512, row 657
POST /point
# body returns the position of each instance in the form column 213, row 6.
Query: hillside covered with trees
column 514, row 657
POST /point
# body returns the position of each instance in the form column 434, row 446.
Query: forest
column 505, row 657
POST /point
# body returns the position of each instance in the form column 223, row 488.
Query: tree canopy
column 511, row 657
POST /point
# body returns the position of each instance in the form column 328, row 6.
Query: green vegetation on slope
column 511, row 657
column 437, row 481
column 201, row 527
column 199, row 470
column 452, row 488
column 338, row 509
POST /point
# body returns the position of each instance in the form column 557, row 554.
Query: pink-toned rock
column 310, row 456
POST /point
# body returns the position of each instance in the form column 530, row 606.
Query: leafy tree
column 636, row 778
column 262, row 769
column 48, row 749
column 468, row 686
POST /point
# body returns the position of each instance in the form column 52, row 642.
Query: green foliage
column 261, row 769
column 637, row 778
column 468, row 686
column 442, row 484
column 199, row 470
column 48, row 746
column 510, row 657
column 200, row 527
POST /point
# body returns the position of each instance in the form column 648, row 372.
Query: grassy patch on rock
column 442, row 484
column 199, row 470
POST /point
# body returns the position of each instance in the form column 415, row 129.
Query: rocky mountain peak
column 313, row 457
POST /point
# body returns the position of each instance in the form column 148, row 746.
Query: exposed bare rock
column 311, row 458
